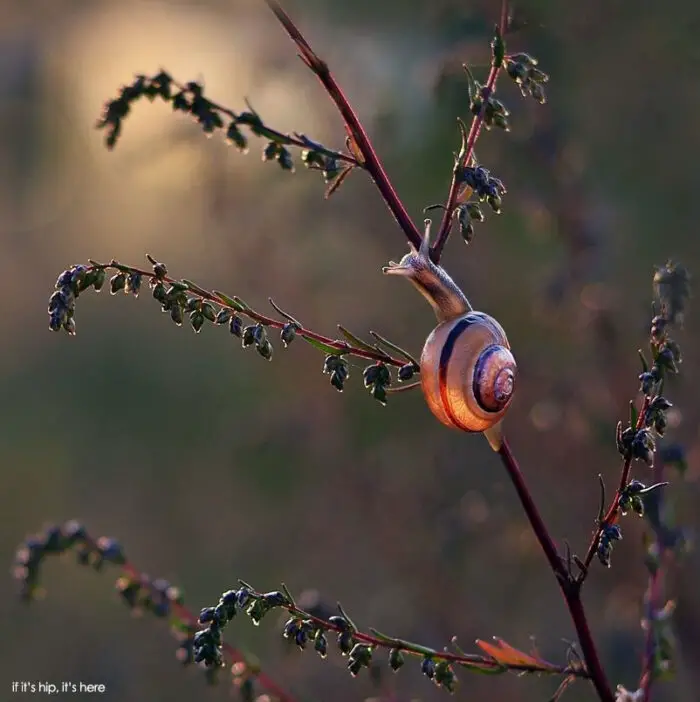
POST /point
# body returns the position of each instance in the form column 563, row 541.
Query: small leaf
column 322, row 347
column 645, row 365
column 289, row 595
column 338, row 181
column 483, row 669
column 193, row 287
column 498, row 48
column 356, row 341
column 504, row 653
column 387, row 639
column 284, row 314
column 236, row 304
column 397, row 349
column 352, row 146
column 344, row 614
column 244, row 306
column 472, row 85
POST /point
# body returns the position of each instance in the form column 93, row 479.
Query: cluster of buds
column 69, row 285
column 522, row 68
column 56, row 540
column 207, row 643
column 377, row 379
column 609, row 534
column 485, row 186
column 190, row 99
column 495, row 113
column 466, row 214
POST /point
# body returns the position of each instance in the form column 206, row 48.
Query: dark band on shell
column 493, row 380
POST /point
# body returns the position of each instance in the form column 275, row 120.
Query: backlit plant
column 474, row 191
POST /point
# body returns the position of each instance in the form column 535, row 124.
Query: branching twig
column 304, row 628
column 371, row 162
column 466, row 153
column 184, row 297
column 138, row 592
column 613, row 511
column 637, row 441
column 201, row 637
column 181, row 297
column 211, row 116
column 566, row 583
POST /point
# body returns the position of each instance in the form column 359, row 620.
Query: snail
column 467, row 369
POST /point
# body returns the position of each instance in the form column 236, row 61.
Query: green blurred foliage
column 210, row 464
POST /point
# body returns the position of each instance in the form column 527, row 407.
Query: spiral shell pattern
column 468, row 372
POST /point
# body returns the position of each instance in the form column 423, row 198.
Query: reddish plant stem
column 468, row 151
column 477, row 661
column 182, row 613
column 284, row 137
column 570, row 588
column 371, row 164
column 614, row 509
column 234, row 654
column 533, row 514
column 342, row 347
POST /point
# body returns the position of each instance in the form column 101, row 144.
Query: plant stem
column 371, row 164
column 470, row 661
column 235, row 656
column 181, row 613
column 474, row 131
column 342, row 347
column 280, row 137
column 569, row 587
column 613, row 510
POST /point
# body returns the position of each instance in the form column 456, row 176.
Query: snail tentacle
column 468, row 372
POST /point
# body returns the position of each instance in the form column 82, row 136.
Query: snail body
column 467, row 369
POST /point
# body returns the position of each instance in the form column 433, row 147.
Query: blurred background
column 210, row 464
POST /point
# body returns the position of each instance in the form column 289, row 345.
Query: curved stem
column 26, row 572
column 222, row 300
column 488, row 663
column 571, row 589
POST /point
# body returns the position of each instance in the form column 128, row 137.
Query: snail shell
column 467, row 370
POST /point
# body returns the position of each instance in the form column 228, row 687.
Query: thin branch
column 568, row 586
column 301, row 141
column 212, row 116
column 371, row 161
column 613, row 511
column 304, row 627
column 467, row 150
column 137, row 591
column 239, row 307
